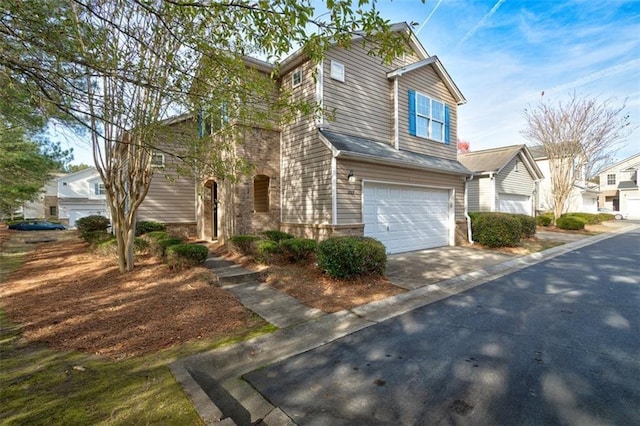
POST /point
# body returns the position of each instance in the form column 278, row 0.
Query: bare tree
column 579, row 136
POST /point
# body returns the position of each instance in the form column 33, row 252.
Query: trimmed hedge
column 243, row 244
column 180, row 256
column 496, row 229
column 298, row 250
column 266, row 251
column 345, row 257
column 109, row 247
column 147, row 226
column 606, row 216
column 587, row 218
column 93, row 223
column 573, row 223
column 544, row 219
column 528, row 224
column 276, row 236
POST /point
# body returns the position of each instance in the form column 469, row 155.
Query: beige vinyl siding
column 306, row 176
column 349, row 197
column 473, row 195
column 426, row 81
column 486, row 196
column 169, row 201
column 511, row 181
column 362, row 105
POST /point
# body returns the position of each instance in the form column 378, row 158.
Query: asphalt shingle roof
column 489, row 160
column 366, row 148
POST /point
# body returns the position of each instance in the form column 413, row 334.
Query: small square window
column 53, row 211
column 611, row 179
column 98, row 189
column 296, row 78
column 337, row 71
column 157, row 160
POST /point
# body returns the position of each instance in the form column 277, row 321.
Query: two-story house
column 383, row 164
column 619, row 187
column 582, row 198
column 80, row 194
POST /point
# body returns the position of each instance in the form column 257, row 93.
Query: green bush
column 298, row 250
column 95, row 237
column 186, row 255
column 527, row 223
column 587, row 218
column 570, row 222
column 276, row 236
column 147, row 226
column 243, row 244
column 92, row 223
column 109, row 247
column 266, row 251
column 155, row 235
column 544, row 219
column 606, row 216
column 345, row 257
column 496, row 229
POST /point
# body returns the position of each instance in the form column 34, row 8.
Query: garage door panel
column 514, row 203
column 406, row 218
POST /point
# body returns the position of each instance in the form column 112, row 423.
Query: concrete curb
column 233, row 362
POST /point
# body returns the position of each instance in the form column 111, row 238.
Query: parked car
column 617, row 214
column 36, row 225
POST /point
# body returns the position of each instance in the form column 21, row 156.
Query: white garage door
column 406, row 218
column 633, row 208
column 514, row 203
column 76, row 214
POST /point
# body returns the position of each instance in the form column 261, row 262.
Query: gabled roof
column 613, row 166
column 494, row 160
column 347, row 146
column 440, row 70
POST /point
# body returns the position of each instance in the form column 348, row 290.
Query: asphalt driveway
column 555, row 343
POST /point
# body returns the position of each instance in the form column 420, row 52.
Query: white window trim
column 298, row 71
column 157, row 155
column 430, row 118
column 337, row 71
column 615, row 178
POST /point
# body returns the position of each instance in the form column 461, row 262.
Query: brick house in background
column 384, row 166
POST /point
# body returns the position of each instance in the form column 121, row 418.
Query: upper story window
column 428, row 118
column 611, row 179
column 337, row 71
column 157, row 160
column 98, row 189
column 296, row 78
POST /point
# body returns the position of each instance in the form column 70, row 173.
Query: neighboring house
column 384, row 166
column 583, row 197
column 45, row 205
column 619, row 187
column 79, row 195
column 505, row 180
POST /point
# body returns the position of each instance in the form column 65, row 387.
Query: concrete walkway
column 213, row 380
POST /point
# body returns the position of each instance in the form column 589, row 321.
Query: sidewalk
column 217, row 375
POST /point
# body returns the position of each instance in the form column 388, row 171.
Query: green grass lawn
column 42, row 386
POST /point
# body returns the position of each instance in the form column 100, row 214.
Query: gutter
column 386, row 161
column 467, row 179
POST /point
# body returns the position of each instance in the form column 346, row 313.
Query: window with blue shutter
column 428, row 118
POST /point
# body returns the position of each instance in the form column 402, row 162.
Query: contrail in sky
column 429, row 17
column 484, row 19
column 634, row 63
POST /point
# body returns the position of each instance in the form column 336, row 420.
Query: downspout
column 467, row 179
column 396, row 119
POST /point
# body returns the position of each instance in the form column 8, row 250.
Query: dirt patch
column 70, row 298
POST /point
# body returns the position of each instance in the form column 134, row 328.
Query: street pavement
column 555, row 343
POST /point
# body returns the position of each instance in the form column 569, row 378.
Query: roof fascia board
column 613, row 166
column 440, row 70
column 377, row 160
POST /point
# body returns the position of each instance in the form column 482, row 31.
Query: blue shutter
column 412, row 112
column 200, row 125
column 447, row 135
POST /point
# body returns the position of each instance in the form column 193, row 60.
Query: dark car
column 36, row 225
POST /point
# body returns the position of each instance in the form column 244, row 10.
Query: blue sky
column 503, row 54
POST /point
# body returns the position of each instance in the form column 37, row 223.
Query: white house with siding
column 619, row 187
column 81, row 194
column 505, row 180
